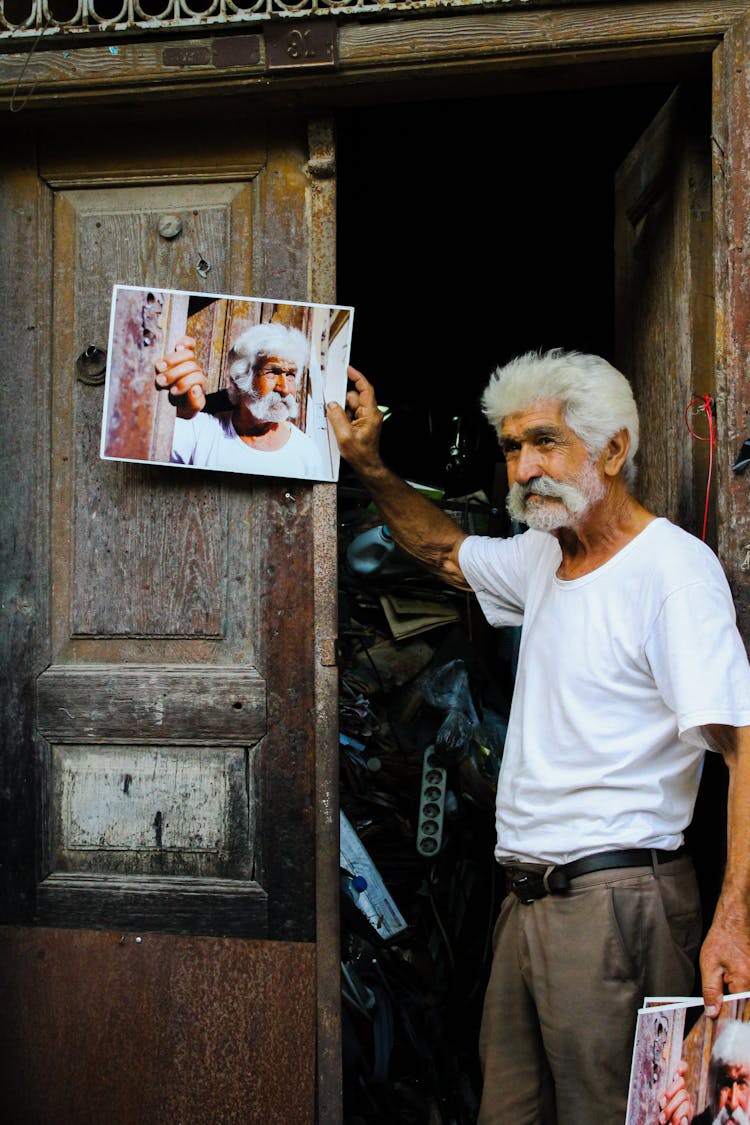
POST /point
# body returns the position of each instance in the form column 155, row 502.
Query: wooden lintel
column 387, row 47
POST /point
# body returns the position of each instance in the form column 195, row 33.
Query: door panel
column 664, row 300
column 147, row 555
column 666, row 336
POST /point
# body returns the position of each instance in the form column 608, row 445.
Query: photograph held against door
column 235, row 384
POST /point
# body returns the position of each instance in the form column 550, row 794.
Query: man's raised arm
column 418, row 526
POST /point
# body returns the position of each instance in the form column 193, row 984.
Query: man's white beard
column 272, row 407
column 570, row 500
column 736, row 1115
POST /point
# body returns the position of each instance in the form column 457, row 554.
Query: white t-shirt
column 617, row 672
column 210, row 441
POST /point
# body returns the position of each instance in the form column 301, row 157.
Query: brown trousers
column 569, row 973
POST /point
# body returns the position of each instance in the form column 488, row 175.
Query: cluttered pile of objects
column 424, row 696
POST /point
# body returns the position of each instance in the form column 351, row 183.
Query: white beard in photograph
column 736, row 1116
column 272, row 407
column 570, row 499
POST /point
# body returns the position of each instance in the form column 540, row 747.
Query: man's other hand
column 181, row 374
column 675, row 1105
column 357, row 428
column 725, row 956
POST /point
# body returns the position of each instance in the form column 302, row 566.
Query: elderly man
column 257, row 435
column 728, row 1083
column 630, row 666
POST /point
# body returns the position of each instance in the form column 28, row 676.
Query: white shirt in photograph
column 210, row 441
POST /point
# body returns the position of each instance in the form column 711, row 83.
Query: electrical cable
column 703, row 404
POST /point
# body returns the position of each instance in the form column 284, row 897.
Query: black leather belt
column 528, row 884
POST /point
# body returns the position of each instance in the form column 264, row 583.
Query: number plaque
column 308, row 43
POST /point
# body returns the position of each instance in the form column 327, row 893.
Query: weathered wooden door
column 169, row 671
column 664, row 301
column 672, row 287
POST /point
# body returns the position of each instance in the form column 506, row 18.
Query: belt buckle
column 527, row 888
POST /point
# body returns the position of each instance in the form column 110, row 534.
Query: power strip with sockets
column 431, row 805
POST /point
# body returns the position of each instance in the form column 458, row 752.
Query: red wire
column 703, row 402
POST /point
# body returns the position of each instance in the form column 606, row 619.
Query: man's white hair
column 597, row 400
column 731, row 1047
column 262, row 341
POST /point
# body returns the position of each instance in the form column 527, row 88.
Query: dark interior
column 469, row 231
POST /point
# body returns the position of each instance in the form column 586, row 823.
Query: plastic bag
column 446, row 688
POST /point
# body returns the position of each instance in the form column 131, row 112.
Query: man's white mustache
column 571, row 496
column 542, row 486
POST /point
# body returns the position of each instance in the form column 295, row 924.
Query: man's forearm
column 419, row 527
column 737, row 874
column 725, row 957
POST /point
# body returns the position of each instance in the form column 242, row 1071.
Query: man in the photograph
column 258, row 434
column 728, row 1083
column 630, row 666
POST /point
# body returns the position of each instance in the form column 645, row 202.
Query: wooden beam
column 98, row 703
column 218, row 907
column 387, row 48
column 539, row 34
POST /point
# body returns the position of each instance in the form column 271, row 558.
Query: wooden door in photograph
column 170, row 973
column 664, row 301
column 138, row 421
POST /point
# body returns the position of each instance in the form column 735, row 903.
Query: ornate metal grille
column 55, row 17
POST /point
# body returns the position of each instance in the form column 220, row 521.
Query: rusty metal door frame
column 322, row 195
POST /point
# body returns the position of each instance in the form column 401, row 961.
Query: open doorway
column 472, row 230
column 469, row 231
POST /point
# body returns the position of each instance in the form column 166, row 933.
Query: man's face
column 271, row 389
column 275, row 374
column 730, row 1096
column 553, row 480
